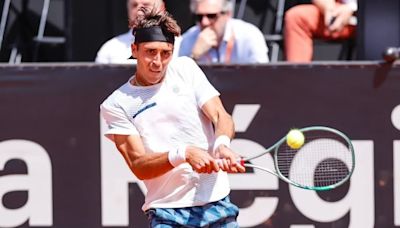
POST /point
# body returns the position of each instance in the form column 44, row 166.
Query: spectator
column 118, row 49
column 162, row 121
column 325, row 19
column 218, row 38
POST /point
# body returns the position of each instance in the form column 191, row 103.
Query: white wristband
column 177, row 156
column 222, row 140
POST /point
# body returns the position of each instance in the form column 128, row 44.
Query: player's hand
column 206, row 40
column 200, row 160
column 229, row 160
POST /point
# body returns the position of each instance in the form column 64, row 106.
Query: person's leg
column 302, row 22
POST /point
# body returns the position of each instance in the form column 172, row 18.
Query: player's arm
column 143, row 165
column 222, row 121
column 224, row 129
column 151, row 165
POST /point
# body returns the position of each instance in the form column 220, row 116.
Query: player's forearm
column 150, row 166
column 143, row 165
column 222, row 121
column 224, row 125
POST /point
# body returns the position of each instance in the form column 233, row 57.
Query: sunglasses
column 210, row 16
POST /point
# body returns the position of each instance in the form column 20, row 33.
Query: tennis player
column 162, row 122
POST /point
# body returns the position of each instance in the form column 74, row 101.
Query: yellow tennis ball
column 295, row 139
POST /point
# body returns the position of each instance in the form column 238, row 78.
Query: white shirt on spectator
column 249, row 44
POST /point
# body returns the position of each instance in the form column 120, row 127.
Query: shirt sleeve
column 258, row 50
column 117, row 121
column 187, row 41
column 101, row 56
column 203, row 89
column 184, row 49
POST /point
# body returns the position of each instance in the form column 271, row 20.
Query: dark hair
column 149, row 18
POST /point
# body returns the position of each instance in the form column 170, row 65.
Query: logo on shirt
column 144, row 108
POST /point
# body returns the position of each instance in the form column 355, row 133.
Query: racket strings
column 324, row 160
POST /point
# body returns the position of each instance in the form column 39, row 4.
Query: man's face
column 152, row 60
column 134, row 5
column 209, row 14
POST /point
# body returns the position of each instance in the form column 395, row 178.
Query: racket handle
column 239, row 160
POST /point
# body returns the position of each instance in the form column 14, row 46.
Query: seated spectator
column 218, row 38
column 324, row 19
column 118, row 49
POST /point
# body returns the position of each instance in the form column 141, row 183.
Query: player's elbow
column 140, row 176
column 142, row 171
column 138, row 173
column 143, row 175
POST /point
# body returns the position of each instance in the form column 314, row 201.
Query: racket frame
column 277, row 172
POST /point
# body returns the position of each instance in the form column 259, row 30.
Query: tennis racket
column 324, row 162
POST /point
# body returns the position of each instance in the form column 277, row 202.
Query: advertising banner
column 58, row 170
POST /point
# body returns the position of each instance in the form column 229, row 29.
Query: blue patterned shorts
column 218, row 214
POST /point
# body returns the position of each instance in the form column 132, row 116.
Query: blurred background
column 73, row 30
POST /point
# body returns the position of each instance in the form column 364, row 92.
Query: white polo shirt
column 166, row 115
